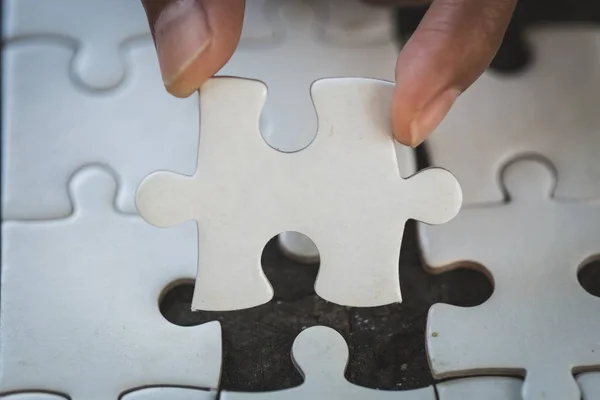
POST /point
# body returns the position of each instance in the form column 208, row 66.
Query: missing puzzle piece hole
column 175, row 304
column 465, row 285
column 291, row 266
column 589, row 276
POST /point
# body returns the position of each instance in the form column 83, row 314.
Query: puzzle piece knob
column 164, row 199
column 99, row 67
column 321, row 354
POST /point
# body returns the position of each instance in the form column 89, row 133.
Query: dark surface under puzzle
column 387, row 344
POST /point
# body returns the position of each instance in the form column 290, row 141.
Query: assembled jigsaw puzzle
column 480, row 134
column 91, row 260
column 37, row 167
column 99, row 61
column 537, row 301
column 116, row 195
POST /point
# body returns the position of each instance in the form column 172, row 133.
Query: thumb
column 193, row 38
column 454, row 43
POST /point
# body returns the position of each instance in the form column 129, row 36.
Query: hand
column 453, row 45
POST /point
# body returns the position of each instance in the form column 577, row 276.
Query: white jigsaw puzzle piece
column 51, row 128
column 170, row 393
column 344, row 192
column 550, row 109
column 480, row 388
column 321, row 355
column 98, row 61
column 311, row 40
column 589, row 383
column 79, row 310
column 539, row 318
column 33, row 396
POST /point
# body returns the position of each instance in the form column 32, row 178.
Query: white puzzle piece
column 589, row 383
column 321, row 355
column 539, row 318
column 344, row 192
column 480, row 388
column 79, row 312
column 550, row 109
column 32, row 396
column 311, row 40
column 170, row 393
column 51, row 128
column 98, row 30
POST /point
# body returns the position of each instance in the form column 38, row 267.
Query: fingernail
column 182, row 34
column 431, row 116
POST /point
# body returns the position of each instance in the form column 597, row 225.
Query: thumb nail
column 181, row 33
column 430, row 116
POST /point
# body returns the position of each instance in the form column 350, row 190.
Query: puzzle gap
column 288, row 280
column 464, row 285
column 257, row 341
column 589, row 277
column 387, row 344
column 173, row 301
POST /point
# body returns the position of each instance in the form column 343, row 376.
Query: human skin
column 452, row 46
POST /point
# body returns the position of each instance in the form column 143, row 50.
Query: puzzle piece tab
column 79, row 310
column 51, row 128
column 344, row 192
column 550, row 109
column 98, row 30
column 539, row 318
column 321, row 356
